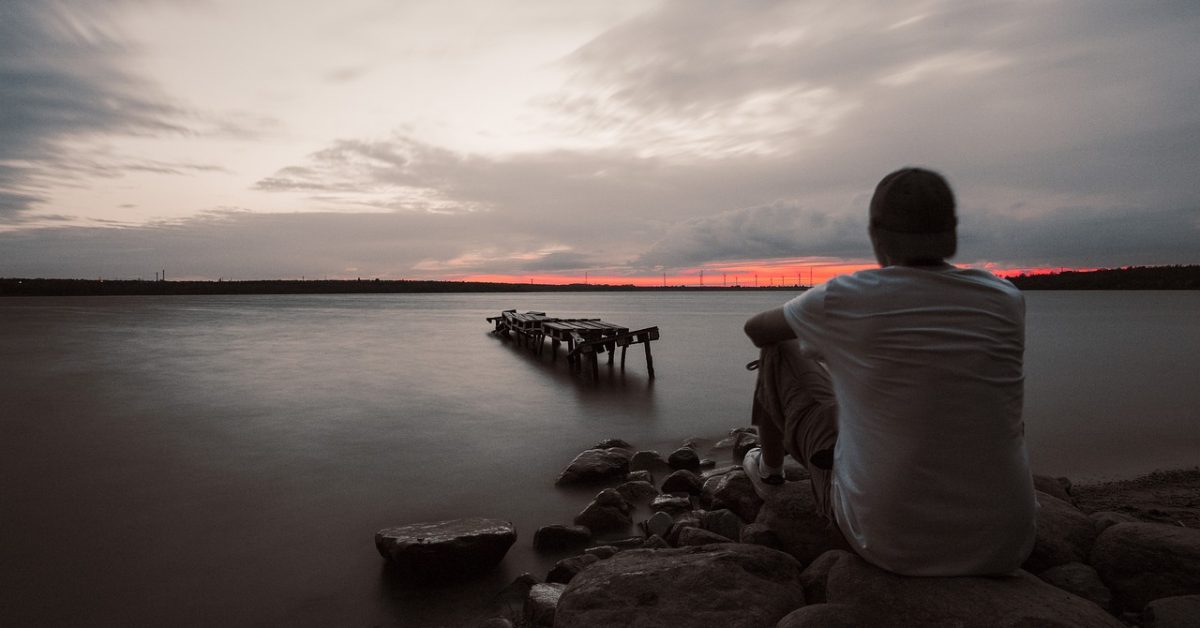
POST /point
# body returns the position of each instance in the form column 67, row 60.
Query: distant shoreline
column 1133, row 278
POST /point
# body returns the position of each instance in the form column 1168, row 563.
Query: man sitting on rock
column 900, row 390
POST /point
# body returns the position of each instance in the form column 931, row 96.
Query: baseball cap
column 914, row 209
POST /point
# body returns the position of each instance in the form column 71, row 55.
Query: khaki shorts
column 795, row 394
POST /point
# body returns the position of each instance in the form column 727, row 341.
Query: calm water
column 225, row 461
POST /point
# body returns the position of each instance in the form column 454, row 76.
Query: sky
column 613, row 140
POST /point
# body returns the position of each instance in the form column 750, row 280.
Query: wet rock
column 541, row 604
column 759, row 534
column 655, row 542
column 553, row 538
column 726, row 443
column 724, row 523
column 886, row 599
column 671, row 504
column 602, row 551
column 728, row 585
column 707, row 463
column 637, row 492
column 659, row 524
column 612, row 442
column 567, row 568
column 1141, row 562
column 733, row 491
column 1081, row 580
column 647, row 460
column 640, row 476
column 744, row 443
column 684, row 458
column 1057, row 487
column 682, row 522
column 608, row 511
column 514, row 593
column 445, row 550
column 1181, row 611
column 698, row 536
column 791, row 513
column 1064, row 535
column 682, row 481
column 1106, row 518
column 629, row 542
column 594, row 465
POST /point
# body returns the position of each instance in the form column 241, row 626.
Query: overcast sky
column 538, row 139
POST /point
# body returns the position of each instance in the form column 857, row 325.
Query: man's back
column 930, row 475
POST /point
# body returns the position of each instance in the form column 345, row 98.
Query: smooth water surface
column 226, row 460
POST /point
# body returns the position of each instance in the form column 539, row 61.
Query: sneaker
column 763, row 484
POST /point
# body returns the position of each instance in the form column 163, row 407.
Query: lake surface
column 227, row 460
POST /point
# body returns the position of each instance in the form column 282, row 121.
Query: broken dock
column 585, row 338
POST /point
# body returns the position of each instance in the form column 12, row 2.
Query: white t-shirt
column 930, row 473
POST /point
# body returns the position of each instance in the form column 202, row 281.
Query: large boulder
column 541, row 603
column 1080, row 579
column 595, row 465
column 567, row 568
column 1064, row 535
column 554, row 538
column 445, row 550
column 886, row 599
column 608, row 511
column 791, row 513
column 728, row 585
column 734, row 491
column 1181, row 611
column 1141, row 562
column 828, row 616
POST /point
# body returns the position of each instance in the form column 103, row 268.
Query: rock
column 659, row 523
column 816, row 574
column 553, row 538
column 692, row 443
column 708, row 463
column 514, row 593
column 826, row 616
column 744, row 443
column 792, row 515
column 648, row 460
column 541, row 604
column 1181, row 611
column 759, row 534
column 594, row 465
column 655, row 542
column 445, row 550
column 698, row 536
column 671, row 504
column 1106, row 518
column 734, row 492
column 726, row 443
column 641, row 476
column 682, row 522
column 629, row 542
column 609, row 443
column 684, row 458
column 637, row 491
column 1081, row 580
column 682, row 481
column 602, row 551
column 728, row 585
column 494, row 622
column 886, row 599
column 1057, row 487
column 608, row 511
column 1064, row 535
column 567, row 568
column 1141, row 562
column 724, row 523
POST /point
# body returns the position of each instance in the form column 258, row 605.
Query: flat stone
column 445, row 550
column 647, row 460
column 602, row 551
column 727, row 585
column 1181, row 611
column 608, row 511
column 886, row 599
column 682, row 481
column 733, row 491
column 684, row 458
column 724, row 523
column 553, row 538
column 1064, row 535
column 1079, row 579
column 627, row 543
column 699, row 536
column 637, row 491
column 594, row 465
column 541, row 604
column 567, row 568
column 671, row 504
column 1141, row 562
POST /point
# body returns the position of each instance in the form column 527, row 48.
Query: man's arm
column 768, row 328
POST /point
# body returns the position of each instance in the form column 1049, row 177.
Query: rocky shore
column 682, row 539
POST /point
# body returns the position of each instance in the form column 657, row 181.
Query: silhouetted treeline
column 1132, row 278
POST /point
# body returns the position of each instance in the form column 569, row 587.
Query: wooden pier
column 585, row 338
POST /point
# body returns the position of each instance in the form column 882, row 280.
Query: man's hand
column 768, row 328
